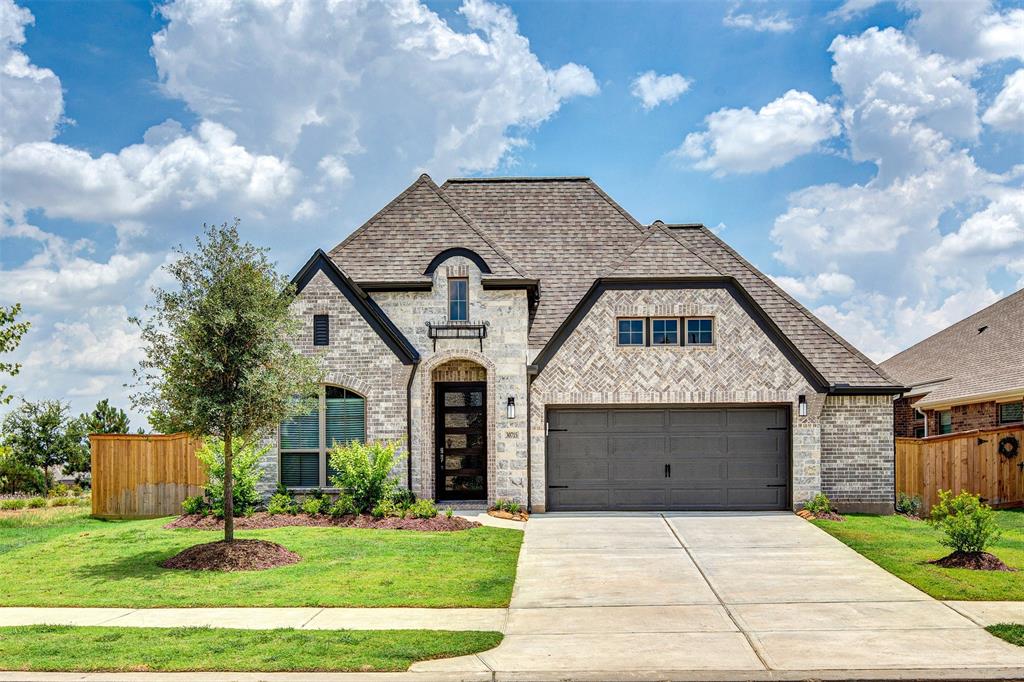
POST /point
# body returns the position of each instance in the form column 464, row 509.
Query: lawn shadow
column 131, row 565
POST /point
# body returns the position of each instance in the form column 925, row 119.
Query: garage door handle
column 778, row 485
column 776, row 428
column 558, row 486
column 668, row 471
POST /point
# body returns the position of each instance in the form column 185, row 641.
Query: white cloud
column 745, row 141
column 813, row 287
column 777, row 22
column 653, row 89
column 390, row 85
column 1007, row 111
column 99, row 340
column 986, row 239
column 30, row 96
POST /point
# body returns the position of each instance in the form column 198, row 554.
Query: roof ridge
column 522, row 178
column 956, row 324
column 379, row 214
column 667, row 230
column 473, row 225
column 611, row 202
column 619, row 263
column 808, row 314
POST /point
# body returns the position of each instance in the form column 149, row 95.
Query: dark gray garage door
column 633, row 459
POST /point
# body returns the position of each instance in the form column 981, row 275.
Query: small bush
column 195, row 505
column 969, row 525
column 363, row 470
column 36, row 502
column 281, row 503
column 62, row 501
column 403, row 497
column 905, row 504
column 343, row 506
column 513, row 507
column 14, row 503
column 386, row 508
column 423, row 509
column 449, row 513
column 819, row 504
column 313, row 505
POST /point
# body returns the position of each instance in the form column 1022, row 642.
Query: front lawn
column 904, row 547
column 68, row 559
column 1011, row 632
column 58, row 647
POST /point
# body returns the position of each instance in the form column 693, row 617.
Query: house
column 967, row 376
column 531, row 341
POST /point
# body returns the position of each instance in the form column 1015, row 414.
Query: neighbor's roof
column 981, row 355
column 567, row 233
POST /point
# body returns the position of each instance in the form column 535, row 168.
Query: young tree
column 105, row 419
column 43, row 435
column 10, row 336
column 218, row 360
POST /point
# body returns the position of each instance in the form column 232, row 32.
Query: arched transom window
column 337, row 416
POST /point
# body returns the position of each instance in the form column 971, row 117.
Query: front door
column 461, row 440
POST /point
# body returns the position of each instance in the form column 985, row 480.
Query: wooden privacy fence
column 135, row 477
column 961, row 461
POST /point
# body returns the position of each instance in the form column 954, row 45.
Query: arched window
column 337, row 415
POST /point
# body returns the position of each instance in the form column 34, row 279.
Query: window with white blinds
column 337, row 416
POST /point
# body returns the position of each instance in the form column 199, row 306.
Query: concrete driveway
column 757, row 595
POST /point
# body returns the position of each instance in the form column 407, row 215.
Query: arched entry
column 462, row 430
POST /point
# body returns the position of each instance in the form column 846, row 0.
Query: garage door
column 635, row 459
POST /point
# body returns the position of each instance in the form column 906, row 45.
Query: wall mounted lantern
column 802, row 402
column 511, row 408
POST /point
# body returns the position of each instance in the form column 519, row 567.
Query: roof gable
column 364, row 305
column 661, row 255
column 399, row 243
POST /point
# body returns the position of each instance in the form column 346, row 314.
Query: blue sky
column 869, row 155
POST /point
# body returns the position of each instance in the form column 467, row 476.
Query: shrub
column 363, row 470
column 313, row 505
column 343, row 506
column 36, row 502
column 905, row 504
column 513, row 507
column 18, row 477
column 245, row 470
column 499, row 504
column 403, row 497
column 386, row 508
column 195, row 505
column 819, row 504
column 969, row 525
column 281, row 503
column 14, row 503
column 62, row 501
column 423, row 509
column 449, row 513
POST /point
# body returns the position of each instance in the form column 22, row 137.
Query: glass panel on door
column 462, row 447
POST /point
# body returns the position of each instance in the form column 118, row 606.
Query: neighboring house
column 968, row 376
column 533, row 342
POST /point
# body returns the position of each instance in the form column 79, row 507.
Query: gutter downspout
column 408, row 426
column 529, row 457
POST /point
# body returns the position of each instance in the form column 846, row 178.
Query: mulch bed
column 976, row 561
column 827, row 516
column 261, row 520
column 239, row 555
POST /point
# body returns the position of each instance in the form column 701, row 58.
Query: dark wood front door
column 461, row 440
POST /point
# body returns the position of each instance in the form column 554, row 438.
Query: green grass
column 1011, row 632
column 904, row 547
column 60, row 557
column 57, row 647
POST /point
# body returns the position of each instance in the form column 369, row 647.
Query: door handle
column 668, row 471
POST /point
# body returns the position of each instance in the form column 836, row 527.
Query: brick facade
column 842, row 446
column 905, row 418
column 857, row 453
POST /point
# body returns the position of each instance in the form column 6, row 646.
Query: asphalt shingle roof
column 982, row 354
column 567, row 233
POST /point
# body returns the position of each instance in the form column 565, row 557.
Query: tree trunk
column 229, row 490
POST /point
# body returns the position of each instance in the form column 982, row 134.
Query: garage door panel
column 696, row 420
column 719, row 458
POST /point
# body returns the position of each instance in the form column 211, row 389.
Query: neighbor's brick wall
column 903, row 415
column 966, row 417
column 857, row 452
column 357, row 359
column 744, row 366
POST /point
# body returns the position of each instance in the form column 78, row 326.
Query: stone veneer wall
column 503, row 358
column 744, row 366
column 357, row 359
column 857, row 453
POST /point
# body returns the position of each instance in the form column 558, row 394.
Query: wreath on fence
column 1009, row 447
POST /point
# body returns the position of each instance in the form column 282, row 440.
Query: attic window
column 321, row 330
